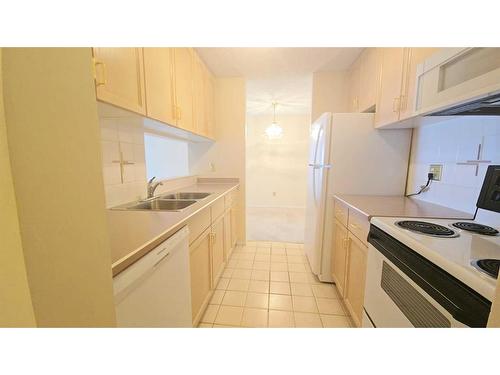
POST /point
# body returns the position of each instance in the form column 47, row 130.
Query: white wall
column 277, row 169
column 227, row 155
column 448, row 143
column 330, row 93
column 55, row 155
column 15, row 297
column 123, row 134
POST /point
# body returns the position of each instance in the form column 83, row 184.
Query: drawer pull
column 162, row 259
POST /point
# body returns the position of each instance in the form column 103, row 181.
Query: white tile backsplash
column 448, row 143
column 125, row 135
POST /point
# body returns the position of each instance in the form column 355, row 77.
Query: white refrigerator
column 347, row 155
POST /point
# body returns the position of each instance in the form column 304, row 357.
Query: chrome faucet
column 152, row 187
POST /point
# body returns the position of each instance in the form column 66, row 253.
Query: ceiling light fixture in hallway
column 274, row 131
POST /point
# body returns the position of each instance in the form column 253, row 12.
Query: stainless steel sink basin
column 162, row 205
column 184, row 195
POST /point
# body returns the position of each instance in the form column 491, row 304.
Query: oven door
column 393, row 300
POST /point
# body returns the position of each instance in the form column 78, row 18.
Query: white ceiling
column 258, row 63
column 277, row 74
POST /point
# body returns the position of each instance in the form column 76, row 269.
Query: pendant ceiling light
column 274, row 131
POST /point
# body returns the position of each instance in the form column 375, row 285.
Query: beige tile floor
column 270, row 284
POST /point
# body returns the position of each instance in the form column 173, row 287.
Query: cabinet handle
column 403, row 102
column 396, row 104
column 103, row 69
column 162, row 259
column 346, row 243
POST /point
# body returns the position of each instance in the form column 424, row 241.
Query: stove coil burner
column 488, row 266
column 427, row 228
column 476, row 228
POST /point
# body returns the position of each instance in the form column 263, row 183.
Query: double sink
column 166, row 202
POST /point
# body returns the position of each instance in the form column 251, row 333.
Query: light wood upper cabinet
column 355, row 277
column 120, row 77
column 397, row 95
column 391, row 85
column 201, row 274
column 354, row 79
column 171, row 85
column 183, row 76
column 199, row 97
column 339, row 256
column 364, row 79
column 370, row 68
column 409, row 95
column 158, row 72
column 210, row 103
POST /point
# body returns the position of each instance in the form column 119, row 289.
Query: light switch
column 436, row 170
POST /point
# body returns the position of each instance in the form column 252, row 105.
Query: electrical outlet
column 436, row 170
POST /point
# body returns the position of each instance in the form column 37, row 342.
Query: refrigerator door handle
column 318, row 166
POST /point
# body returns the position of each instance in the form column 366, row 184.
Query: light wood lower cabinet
column 348, row 257
column 228, row 246
column 355, row 278
column 217, row 250
column 119, row 77
column 211, row 241
column 234, row 226
column 201, row 275
column 339, row 256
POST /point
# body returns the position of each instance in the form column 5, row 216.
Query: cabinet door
column 183, row 79
column 158, row 72
column 199, row 261
column 228, row 246
column 210, row 103
column 199, row 97
column 369, row 78
column 354, row 86
column 217, row 248
column 409, row 95
column 391, row 79
column 355, row 284
column 234, row 229
column 120, row 77
column 339, row 256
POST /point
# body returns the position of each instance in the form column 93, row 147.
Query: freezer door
column 317, row 176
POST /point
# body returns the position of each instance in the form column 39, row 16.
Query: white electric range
column 433, row 272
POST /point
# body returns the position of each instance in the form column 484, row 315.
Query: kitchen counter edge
column 134, row 255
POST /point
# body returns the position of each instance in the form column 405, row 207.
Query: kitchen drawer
column 341, row 211
column 198, row 224
column 359, row 225
column 217, row 208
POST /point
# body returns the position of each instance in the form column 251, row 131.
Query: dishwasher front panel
column 156, row 290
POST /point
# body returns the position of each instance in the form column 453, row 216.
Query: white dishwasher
column 156, row 290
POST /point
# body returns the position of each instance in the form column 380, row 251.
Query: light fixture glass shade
column 274, row 131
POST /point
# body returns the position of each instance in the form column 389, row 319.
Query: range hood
column 486, row 106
